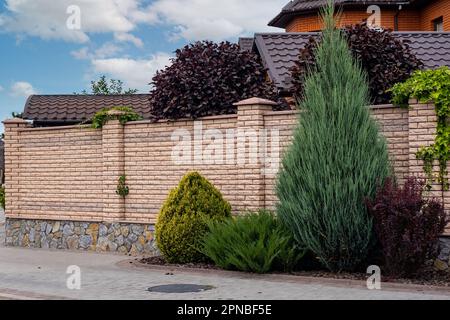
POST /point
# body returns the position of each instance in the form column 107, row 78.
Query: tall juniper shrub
column 336, row 160
column 407, row 225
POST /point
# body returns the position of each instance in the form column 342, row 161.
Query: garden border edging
column 347, row 283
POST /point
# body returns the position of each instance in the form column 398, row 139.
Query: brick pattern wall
column 70, row 173
column 55, row 173
column 151, row 173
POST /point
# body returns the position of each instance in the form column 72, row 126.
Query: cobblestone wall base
column 443, row 260
column 124, row 238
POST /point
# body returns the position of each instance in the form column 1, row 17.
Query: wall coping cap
column 255, row 101
column 116, row 113
column 15, row 121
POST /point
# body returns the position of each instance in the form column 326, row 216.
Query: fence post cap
column 116, row 112
column 15, row 121
column 255, row 101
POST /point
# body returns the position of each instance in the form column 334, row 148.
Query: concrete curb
column 11, row 294
column 343, row 283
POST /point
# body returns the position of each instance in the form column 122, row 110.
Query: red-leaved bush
column 206, row 78
column 407, row 225
column 386, row 59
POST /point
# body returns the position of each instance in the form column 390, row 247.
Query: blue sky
column 57, row 47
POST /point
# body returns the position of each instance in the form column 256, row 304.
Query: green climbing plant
column 122, row 189
column 102, row 116
column 431, row 85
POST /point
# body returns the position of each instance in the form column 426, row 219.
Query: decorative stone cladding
column 134, row 239
column 69, row 174
column 443, row 261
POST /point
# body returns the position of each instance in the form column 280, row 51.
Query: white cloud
column 107, row 50
column 188, row 19
column 47, row 18
column 135, row 73
column 81, row 54
column 217, row 20
column 1, row 89
column 128, row 37
column 22, row 89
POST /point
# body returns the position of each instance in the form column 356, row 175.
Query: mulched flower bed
column 428, row 276
column 160, row 261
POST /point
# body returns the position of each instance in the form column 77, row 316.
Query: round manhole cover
column 180, row 288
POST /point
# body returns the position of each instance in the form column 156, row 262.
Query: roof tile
column 279, row 51
column 77, row 108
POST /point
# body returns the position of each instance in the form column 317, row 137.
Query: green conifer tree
column 337, row 158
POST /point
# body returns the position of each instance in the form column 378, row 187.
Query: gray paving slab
column 43, row 272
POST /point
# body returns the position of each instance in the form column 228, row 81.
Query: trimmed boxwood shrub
column 386, row 59
column 255, row 242
column 205, row 79
column 407, row 225
column 184, row 218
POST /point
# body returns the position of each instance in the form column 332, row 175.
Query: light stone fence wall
column 70, row 173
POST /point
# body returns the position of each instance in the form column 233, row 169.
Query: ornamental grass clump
column 184, row 218
column 336, row 161
column 255, row 242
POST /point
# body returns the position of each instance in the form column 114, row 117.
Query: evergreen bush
column 255, row 242
column 184, row 218
column 336, row 161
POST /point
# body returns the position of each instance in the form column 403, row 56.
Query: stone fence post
column 12, row 165
column 113, row 168
column 250, row 139
column 422, row 133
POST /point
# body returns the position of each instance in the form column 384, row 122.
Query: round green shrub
column 184, row 218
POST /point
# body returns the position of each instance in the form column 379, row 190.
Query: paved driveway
column 32, row 273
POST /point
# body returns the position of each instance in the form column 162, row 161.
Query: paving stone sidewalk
column 43, row 273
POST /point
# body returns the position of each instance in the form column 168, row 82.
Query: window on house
column 438, row 24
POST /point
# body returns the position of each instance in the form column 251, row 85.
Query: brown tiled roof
column 71, row 109
column 296, row 7
column 279, row 51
